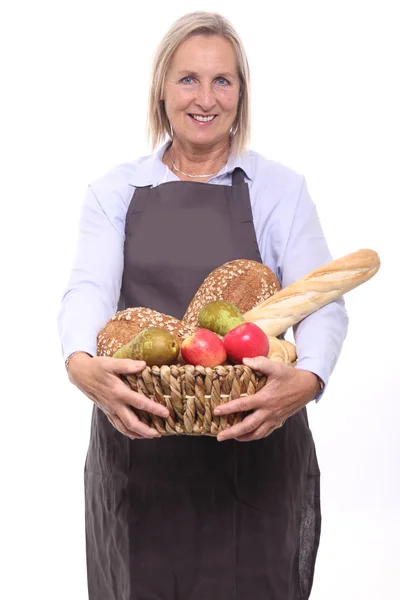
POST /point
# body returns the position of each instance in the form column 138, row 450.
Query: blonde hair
column 197, row 23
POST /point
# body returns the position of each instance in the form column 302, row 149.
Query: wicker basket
column 191, row 394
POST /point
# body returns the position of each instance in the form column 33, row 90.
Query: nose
column 205, row 97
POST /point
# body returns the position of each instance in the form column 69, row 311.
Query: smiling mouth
column 203, row 118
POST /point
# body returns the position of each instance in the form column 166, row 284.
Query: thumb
column 126, row 366
column 261, row 363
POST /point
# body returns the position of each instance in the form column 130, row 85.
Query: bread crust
column 244, row 283
column 126, row 324
column 321, row 286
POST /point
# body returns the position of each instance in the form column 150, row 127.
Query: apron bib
column 181, row 518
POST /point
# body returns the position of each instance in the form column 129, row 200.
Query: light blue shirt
column 288, row 231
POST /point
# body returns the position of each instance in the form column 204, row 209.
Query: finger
column 264, row 430
column 248, row 425
column 238, row 405
column 119, row 426
column 126, row 366
column 263, row 364
column 141, row 402
column 134, row 426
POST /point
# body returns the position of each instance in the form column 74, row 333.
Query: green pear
column 220, row 317
column 154, row 345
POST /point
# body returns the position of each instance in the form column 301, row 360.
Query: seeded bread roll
column 126, row 324
column 244, row 283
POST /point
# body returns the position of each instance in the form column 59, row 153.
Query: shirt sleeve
column 92, row 293
column 320, row 336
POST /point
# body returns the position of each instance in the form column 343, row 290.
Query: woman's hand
column 98, row 378
column 286, row 391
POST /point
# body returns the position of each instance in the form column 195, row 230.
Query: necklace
column 187, row 174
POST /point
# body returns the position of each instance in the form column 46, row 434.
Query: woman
column 182, row 518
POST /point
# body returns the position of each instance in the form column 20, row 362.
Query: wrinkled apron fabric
column 181, row 518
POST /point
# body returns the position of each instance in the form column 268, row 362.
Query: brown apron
column 181, row 518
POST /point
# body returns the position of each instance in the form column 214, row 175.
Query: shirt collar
column 152, row 171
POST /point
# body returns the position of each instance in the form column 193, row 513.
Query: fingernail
column 217, row 411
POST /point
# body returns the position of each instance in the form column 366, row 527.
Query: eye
column 222, row 81
column 187, row 80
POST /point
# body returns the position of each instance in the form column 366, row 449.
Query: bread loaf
column 323, row 285
column 244, row 283
column 126, row 324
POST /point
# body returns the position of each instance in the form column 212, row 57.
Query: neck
column 198, row 161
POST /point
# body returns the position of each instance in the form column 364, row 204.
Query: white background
column 75, row 79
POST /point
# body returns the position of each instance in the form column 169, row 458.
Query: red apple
column 246, row 340
column 203, row 348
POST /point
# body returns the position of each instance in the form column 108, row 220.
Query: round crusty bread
column 244, row 283
column 126, row 324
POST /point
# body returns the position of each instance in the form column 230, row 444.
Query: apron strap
column 238, row 176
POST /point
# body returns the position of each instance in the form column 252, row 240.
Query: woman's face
column 201, row 90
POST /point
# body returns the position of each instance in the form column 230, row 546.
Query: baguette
column 310, row 293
